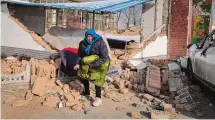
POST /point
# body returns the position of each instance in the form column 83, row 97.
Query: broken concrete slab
column 69, row 97
column 175, row 84
column 173, row 66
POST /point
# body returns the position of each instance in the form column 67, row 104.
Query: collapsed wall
column 15, row 34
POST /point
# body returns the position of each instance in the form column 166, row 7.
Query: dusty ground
column 107, row 110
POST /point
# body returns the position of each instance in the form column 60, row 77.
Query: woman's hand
column 76, row 67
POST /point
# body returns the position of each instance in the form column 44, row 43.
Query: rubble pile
column 11, row 66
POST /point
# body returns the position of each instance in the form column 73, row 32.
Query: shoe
column 97, row 102
column 85, row 97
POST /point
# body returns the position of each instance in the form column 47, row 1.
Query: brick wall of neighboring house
column 177, row 40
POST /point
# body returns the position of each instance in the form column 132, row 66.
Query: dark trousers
column 87, row 88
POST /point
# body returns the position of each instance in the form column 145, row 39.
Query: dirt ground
column 109, row 109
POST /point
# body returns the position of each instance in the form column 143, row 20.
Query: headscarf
column 95, row 36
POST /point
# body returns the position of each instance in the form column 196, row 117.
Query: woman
column 93, row 45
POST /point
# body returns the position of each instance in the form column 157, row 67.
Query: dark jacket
column 98, row 48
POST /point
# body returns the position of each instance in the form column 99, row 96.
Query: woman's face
column 90, row 37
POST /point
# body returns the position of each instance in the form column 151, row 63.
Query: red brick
column 155, row 85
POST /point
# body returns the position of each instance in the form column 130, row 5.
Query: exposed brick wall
column 177, row 41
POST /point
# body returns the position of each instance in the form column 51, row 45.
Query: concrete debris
column 136, row 115
column 173, row 66
column 10, row 99
column 184, row 96
column 20, row 103
column 175, row 84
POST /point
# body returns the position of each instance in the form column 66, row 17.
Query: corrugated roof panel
column 105, row 6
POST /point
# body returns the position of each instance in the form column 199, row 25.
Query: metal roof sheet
column 105, row 6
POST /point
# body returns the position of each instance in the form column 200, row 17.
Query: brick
column 136, row 115
column 66, row 88
column 148, row 97
column 39, row 86
column 76, row 95
column 69, row 104
column 69, row 97
column 154, row 84
column 124, row 90
column 58, row 90
column 77, row 107
column 20, row 103
column 10, row 99
column 51, row 101
column 29, row 95
column 59, row 83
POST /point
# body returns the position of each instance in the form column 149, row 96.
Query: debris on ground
column 159, row 85
column 136, row 115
